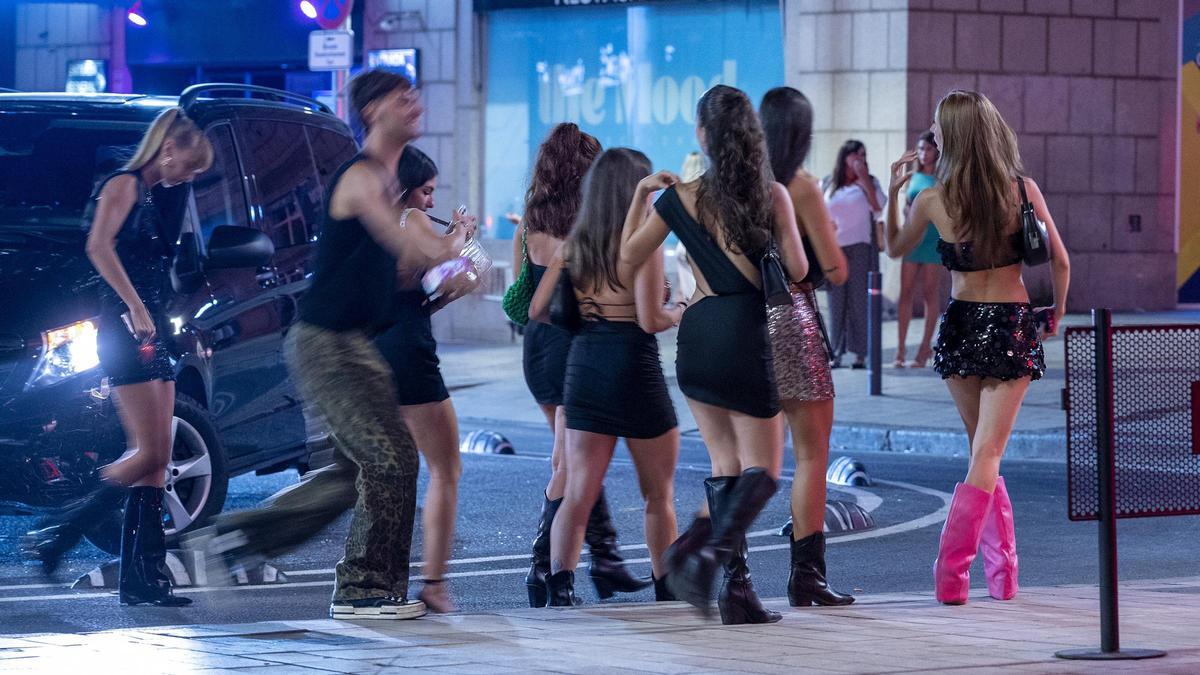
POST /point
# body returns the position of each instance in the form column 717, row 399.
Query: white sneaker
column 377, row 608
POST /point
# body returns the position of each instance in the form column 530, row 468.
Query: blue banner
column 631, row 76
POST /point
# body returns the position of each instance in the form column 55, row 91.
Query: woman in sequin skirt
column 800, row 354
column 989, row 345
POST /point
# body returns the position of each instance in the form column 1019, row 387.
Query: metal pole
column 1110, row 634
column 875, row 332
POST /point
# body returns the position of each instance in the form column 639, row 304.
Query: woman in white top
column 856, row 202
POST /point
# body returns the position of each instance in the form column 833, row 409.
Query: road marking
column 906, row 526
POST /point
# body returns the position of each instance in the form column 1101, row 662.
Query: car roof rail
column 194, row 92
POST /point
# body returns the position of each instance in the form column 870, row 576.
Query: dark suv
column 244, row 231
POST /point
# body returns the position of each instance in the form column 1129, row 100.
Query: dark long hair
column 787, row 121
column 594, row 243
column 415, row 169
column 839, row 170
column 735, row 190
column 553, row 197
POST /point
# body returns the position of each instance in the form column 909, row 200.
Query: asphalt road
column 499, row 501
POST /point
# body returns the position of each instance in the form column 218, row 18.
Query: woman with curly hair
column 727, row 220
column 551, row 205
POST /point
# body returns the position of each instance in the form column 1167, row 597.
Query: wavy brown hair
column 787, row 121
column 594, row 244
column 979, row 162
column 735, row 190
column 553, row 197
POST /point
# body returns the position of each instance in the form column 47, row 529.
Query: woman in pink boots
column 989, row 344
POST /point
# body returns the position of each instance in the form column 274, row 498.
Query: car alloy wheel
column 189, row 477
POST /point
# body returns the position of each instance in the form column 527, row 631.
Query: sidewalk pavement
column 914, row 415
column 887, row 633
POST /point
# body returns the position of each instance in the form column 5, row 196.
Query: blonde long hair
column 173, row 124
column 978, row 162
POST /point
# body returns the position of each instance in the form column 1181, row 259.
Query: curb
column 1044, row 445
column 1049, row 446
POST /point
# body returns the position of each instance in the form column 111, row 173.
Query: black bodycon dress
column 409, row 348
column 615, row 384
column 724, row 354
column 544, row 355
column 145, row 254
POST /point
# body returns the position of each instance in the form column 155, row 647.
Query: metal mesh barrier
column 1156, row 387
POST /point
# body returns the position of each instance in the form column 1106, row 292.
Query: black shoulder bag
column 564, row 308
column 1035, row 243
column 774, row 281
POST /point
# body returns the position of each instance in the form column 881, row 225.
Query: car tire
column 197, row 479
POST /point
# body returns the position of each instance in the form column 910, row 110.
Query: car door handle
column 265, row 276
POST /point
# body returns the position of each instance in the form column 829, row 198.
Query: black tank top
column 141, row 247
column 354, row 278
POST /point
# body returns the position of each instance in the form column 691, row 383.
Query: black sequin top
column 960, row 256
column 141, row 247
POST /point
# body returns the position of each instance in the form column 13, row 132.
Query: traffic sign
column 330, row 50
column 331, row 14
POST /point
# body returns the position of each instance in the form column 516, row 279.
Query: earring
column 166, row 161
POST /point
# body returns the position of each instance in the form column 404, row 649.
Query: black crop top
column 960, row 256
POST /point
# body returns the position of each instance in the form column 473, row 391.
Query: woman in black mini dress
column 988, row 347
column 130, row 249
column 614, row 383
column 410, row 349
column 726, row 219
column 551, row 205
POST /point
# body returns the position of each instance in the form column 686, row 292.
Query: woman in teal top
column 922, row 266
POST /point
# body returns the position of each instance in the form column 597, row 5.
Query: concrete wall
column 447, row 34
column 50, row 34
column 1090, row 88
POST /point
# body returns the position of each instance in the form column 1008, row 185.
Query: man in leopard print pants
column 337, row 368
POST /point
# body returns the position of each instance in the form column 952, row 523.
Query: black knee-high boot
column 143, row 578
column 692, row 581
column 539, row 561
column 607, row 568
column 56, row 536
column 737, row 601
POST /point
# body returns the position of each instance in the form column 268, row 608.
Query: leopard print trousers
column 343, row 375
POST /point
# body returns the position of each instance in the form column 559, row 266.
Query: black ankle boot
column 607, row 568
column 539, row 562
column 661, row 592
column 57, row 536
column 560, row 589
column 737, row 601
column 143, row 577
column 734, row 502
column 806, row 583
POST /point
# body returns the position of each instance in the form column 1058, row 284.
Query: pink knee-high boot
column 959, row 544
column 999, row 546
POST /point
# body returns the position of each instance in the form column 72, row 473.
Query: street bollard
column 875, row 332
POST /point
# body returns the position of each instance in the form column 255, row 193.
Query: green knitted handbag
column 517, row 297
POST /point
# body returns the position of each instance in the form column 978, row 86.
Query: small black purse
column 564, row 308
column 1035, row 243
column 774, row 281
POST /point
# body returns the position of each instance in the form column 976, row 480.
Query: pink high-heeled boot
column 959, row 543
column 999, row 546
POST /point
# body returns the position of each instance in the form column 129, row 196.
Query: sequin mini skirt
column 989, row 339
column 798, row 352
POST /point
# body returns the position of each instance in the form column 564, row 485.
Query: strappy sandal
column 436, row 597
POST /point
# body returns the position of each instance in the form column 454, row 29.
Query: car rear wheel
column 196, row 484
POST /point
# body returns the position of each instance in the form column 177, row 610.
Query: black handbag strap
column 1024, row 198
